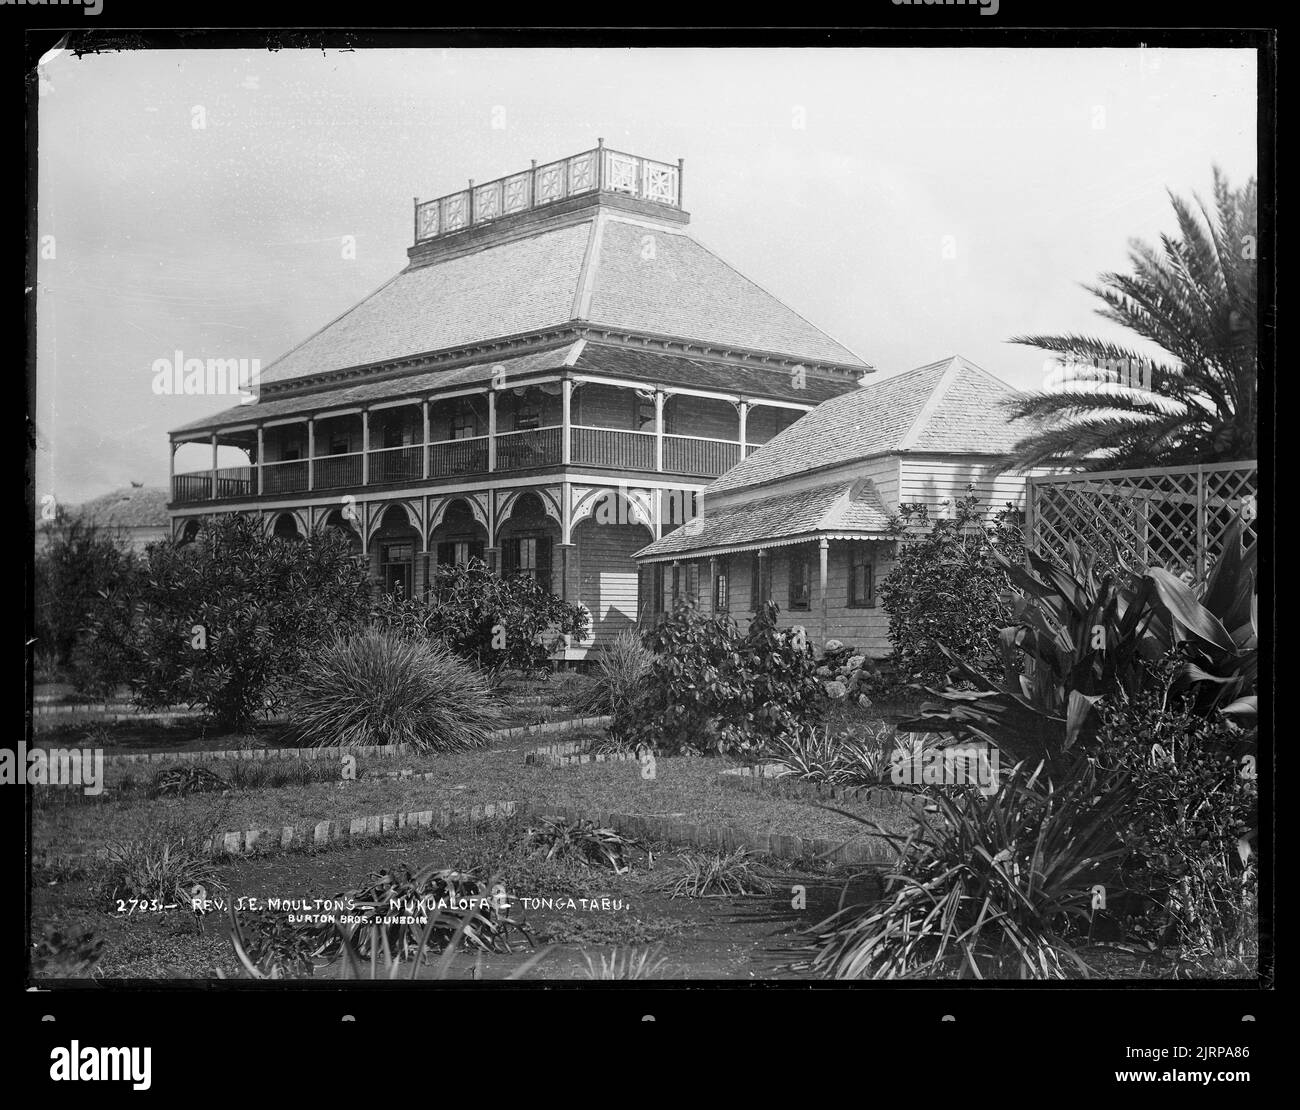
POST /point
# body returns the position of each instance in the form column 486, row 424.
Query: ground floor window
column 397, row 564
column 721, row 597
column 862, row 578
column 530, row 555
column 458, row 553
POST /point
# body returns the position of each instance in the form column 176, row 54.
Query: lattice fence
column 1173, row 518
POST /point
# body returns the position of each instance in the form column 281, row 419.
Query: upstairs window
column 464, row 422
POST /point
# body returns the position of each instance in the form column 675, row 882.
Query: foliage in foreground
column 408, row 916
column 1080, row 636
column 847, row 759
column 582, row 840
column 712, row 689
column 1190, row 830
column 708, row 874
column 59, row 955
column 625, row 964
column 995, row 887
column 158, row 867
column 380, row 688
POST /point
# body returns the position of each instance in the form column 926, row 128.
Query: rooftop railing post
column 532, row 185
column 415, row 206
column 681, row 170
column 600, row 165
column 470, row 221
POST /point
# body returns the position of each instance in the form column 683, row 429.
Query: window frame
column 862, row 558
column 799, row 559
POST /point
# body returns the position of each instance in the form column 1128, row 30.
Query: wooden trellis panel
column 1173, row 518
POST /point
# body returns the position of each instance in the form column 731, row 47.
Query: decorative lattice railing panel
column 1174, row 518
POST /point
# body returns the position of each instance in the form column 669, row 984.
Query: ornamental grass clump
column 381, row 688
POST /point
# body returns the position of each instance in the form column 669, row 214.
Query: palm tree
column 1195, row 298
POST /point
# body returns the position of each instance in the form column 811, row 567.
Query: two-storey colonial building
column 548, row 384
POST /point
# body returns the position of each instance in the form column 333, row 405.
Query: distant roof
column 132, row 507
column 951, row 406
column 608, row 270
column 841, row 507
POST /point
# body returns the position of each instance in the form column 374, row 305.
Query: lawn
column 685, row 786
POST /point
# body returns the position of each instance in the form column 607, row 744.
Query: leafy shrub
column 844, row 759
column 263, row 604
column 380, row 688
column 179, row 781
column 78, row 561
column 582, row 840
column 947, row 588
column 621, row 670
column 158, row 867
column 1190, row 864
column 997, row 886
column 706, row 874
column 73, row 955
column 1079, row 638
column 407, row 916
column 711, row 688
column 499, row 622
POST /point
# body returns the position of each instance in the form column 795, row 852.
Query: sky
column 913, row 203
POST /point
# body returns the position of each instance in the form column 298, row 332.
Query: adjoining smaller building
column 805, row 520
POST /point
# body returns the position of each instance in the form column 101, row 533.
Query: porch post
column 823, row 549
column 755, row 602
column 424, row 410
column 566, row 455
column 492, row 430
column 261, row 456
column 171, row 469
column 743, row 409
column 311, row 452
column 214, row 465
column 713, row 587
column 365, row 447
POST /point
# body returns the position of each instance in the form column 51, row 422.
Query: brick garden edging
column 380, row 750
column 655, row 826
column 762, row 778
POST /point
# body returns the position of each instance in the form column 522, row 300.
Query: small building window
column 862, row 579
column 800, row 580
column 760, row 582
column 686, row 583
column 721, row 597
